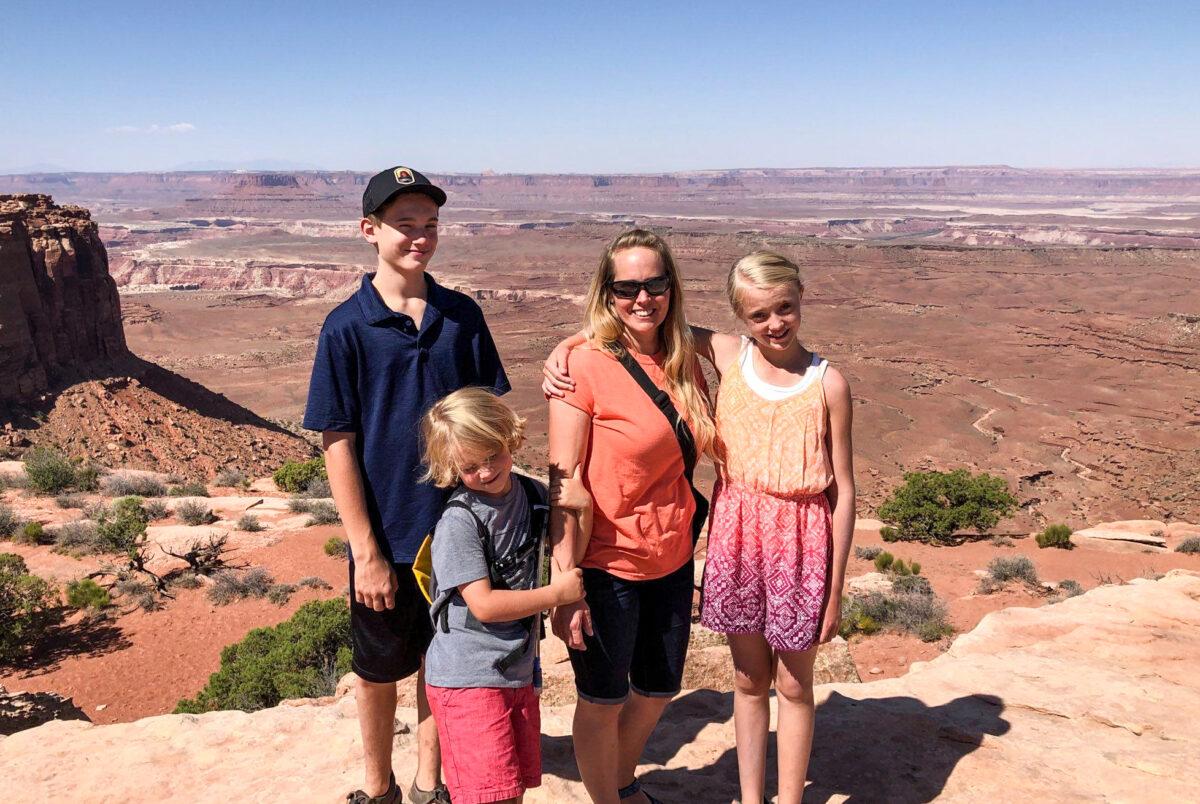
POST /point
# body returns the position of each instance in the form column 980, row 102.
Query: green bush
column 295, row 476
column 29, row 606
column 1189, row 546
column 915, row 567
column 935, row 506
column 192, row 488
column 31, row 533
column 191, row 512
column 889, row 534
column 1055, row 536
column 867, row 553
column 51, row 472
column 121, row 527
column 338, row 548
column 900, row 568
column 1014, row 568
column 87, row 594
column 883, row 561
column 914, row 612
column 302, row 657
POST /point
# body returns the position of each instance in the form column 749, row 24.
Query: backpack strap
column 442, row 614
column 662, row 401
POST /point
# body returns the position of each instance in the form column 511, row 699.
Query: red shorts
column 491, row 741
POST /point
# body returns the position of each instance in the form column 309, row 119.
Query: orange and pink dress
column 769, row 536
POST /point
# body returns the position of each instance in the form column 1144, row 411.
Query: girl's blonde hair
column 679, row 351
column 468, row 420
column 761, row 269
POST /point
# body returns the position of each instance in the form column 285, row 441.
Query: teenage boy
column 385, row 355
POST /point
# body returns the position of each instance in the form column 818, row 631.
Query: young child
column 782, row 513
column 487, row 556
column 384, row 356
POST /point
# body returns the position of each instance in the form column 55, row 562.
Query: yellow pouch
column 422, row 568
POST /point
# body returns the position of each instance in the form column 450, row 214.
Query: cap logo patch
column 404, row 176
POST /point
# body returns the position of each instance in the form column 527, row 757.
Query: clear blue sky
column 599, row 87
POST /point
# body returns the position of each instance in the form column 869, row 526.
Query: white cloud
column 154, row 128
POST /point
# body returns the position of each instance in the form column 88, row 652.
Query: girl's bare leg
column 752, row 669
column 797, row 714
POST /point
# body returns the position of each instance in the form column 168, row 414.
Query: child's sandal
column 632, row 789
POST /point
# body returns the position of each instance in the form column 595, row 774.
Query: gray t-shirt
column 465, row 655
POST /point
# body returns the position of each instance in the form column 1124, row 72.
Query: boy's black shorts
column 388, row 645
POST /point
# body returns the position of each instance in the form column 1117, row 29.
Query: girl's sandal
column 632, row 789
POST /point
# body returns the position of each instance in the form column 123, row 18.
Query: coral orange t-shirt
column 643, row 507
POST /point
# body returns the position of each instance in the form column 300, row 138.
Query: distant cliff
column 59, row 309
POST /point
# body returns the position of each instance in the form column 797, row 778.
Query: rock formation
column 1089, row 699
column 59, row 309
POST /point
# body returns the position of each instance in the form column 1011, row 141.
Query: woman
column 628, row 637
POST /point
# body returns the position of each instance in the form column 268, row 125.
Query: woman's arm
column 569, row 429
column 841, row 494
column 717, row 348
column 571, row 494
column 505, row 605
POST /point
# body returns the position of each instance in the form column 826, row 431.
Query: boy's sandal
column 632, row 789
column 392, row 796
column 438, row 795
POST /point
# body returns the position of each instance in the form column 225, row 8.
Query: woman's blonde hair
column 761, row 269
column 468, row 420
column 679, row 351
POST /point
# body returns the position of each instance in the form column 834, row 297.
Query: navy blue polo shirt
column 375, row 375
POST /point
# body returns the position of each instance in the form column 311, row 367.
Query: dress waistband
column 741, row 488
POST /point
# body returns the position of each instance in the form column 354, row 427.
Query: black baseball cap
column 386, row 184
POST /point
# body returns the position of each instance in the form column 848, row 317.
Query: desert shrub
column 49, row 471
column 1070, row 588
column 66, row 501
column 336, row 547
column 120, row 527
column 934, row 506
column 280, row 593
column 250, row 524
column 87, row 478
column 889, row 534
column 29, row 606
column 203, row 557
column 87, row 594
column 232, row 585
column 900, row 568
column 124, row 484
column 187, row 580
column 1189, row 546
column 867, row 553
column 231, row 478
column 10, row 523
column 1000, row 540
column 914, row 612
column 19, row 481
column 312, row 582
column 912, row 583
column 30, row 533
column 318, row 487
column 883, row 561
column 300, row 505
column 915, row 567
column 1055, row 536
column 156, row 510
column 295, row 476
column 323, row 513
column 302, row 657
column 191, row 512
column 77, row 538
column 1012, row 568
column 191, row 488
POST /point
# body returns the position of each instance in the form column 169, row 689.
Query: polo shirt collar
column 376, row 312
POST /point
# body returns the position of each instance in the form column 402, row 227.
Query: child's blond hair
column 761, row 269
column 468, row 420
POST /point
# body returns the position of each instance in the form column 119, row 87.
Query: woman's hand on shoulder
column 556, row 378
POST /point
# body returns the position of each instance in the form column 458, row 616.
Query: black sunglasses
column 631, row 288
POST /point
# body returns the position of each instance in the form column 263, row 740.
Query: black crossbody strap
column 662, row 401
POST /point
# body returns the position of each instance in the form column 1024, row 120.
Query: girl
column 480, row 667
column 783, row 514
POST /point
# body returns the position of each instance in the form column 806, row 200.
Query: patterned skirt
column 768, row 565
